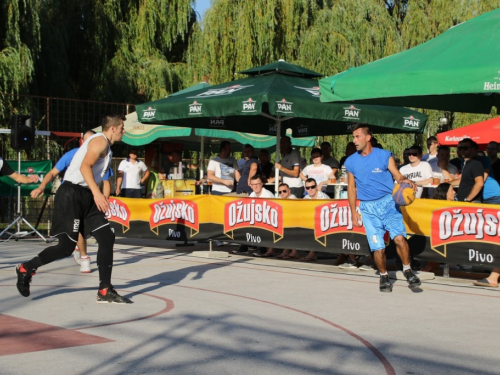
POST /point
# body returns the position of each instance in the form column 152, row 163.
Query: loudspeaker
column 22, row 134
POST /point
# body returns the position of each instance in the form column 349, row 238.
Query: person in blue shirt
column 80, row 253
column 371, row 173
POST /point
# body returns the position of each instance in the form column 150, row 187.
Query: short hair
column 311, row 180
column 316, row 151
column 441, row 191
column 431, row 140
column 111, row 120
column 365, row 127
column 443, row 148
column 283, row 184
column 494, row 143
column 224, row 144
column 134, row 151
column 470, row 142
column 88, row 131
column 264, row 151
column 326, row 144
column 248, row 145
column 418, row 148
column 256, row 177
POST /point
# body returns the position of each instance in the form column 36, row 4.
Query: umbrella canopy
column 275, row 97
column 482, row 133
column 456, row 71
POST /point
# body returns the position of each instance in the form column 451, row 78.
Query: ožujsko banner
column 442, row 231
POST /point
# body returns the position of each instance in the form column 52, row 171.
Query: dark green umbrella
column 275, row 97
column 458, row 70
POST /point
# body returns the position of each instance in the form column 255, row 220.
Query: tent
column 482, row 133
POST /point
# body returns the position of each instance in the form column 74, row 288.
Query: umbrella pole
column 202, row 160
column 278, row 158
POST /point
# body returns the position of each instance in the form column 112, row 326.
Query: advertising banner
column 441, row 231
column 8, row 187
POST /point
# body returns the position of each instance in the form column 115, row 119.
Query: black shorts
column 76, row 212
column 131, row 193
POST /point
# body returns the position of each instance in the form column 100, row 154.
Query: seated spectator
column 259, row 192
column 266, row 166
column 320, row 172
column 441, row 167
column 432, row 145
column 420, row 172
column 285, row 193
column 313, row 193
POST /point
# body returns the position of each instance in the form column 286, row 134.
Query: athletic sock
column 406, row 268
column 384, row 274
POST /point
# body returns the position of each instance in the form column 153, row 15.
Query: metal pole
column 18, row 191
column 278, row 158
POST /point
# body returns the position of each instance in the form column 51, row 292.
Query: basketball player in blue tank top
column 371, row 175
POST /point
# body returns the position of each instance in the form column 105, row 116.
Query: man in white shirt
column 420, row 172
column 258, row 188
column 129, row 181
column 320, row 172
column 222, row 170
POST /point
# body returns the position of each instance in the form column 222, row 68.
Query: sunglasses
column 465, row 148
column 412, row 154
column 282, row 191
column 311, row 187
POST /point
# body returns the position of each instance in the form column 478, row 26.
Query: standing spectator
column 349, row 150
column 223, row 170
column 471, row 181
column 266, row 166
column 317, row 170
column 313, row 192
column 289, row 167
column 80, row 254
column 80, row 207
column 6, row 170
column 492, row 150
column 129, row 181
column 432, row 145
column 250, row 169
column 371, row 175
column 420, row 172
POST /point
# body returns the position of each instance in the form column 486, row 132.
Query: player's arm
column 253, row 171
column 396, row 174
column 22, row 179
column 352, row 197
column 46, row 180
column 96, row 147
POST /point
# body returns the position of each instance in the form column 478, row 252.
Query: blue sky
column 201, row 6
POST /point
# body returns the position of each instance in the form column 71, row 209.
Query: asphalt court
column 238, row 315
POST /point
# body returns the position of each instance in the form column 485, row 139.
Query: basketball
column 403, row 194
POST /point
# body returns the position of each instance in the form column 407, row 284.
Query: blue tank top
column 373, row 179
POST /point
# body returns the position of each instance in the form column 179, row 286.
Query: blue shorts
column 380, row 216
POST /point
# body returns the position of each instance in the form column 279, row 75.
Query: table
column 339, row 192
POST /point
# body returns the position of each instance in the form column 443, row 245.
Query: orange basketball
column 403, row 194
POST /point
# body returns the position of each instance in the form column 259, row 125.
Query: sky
column 201, row 6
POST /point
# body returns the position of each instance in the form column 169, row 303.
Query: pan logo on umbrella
column 284, row 107
column 411, row 122
column 352, row 113
column 302, row 130
column 217, row 122
column 249, row 105
column 149, row 113
column 314, row 91
column 220, row 92
column 195, row 108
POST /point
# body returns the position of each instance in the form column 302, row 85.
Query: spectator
column 313, row 193
column 349, row 150
column 328, row 159
column 129, row 181
column 289, row 167
column 406, row 158
column 420, row 172
column 432, row 144
column 441, row 167
column 491, row 189
column 266, row 166
column 222, row 170
column 470, row 183
column 250, row 169
column 317, row 170
column 492, row 150
column 285, row 193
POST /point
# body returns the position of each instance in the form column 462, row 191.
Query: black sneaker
column 23, row 280
column 111, row 297
column 385, row 284
column 413, row 280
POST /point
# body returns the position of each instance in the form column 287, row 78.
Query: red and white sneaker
column 77, row 256
column 85, row 264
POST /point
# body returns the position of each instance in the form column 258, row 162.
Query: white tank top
column 99, row 169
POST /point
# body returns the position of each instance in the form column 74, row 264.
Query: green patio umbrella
column 274, row 98
column 456, row 71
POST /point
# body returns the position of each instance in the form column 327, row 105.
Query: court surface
column 238, row 315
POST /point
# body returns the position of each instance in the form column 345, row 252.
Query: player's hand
column 33, row 178
column 101, row 202
column 35, row 193
column 117, row 192
column 356, row 219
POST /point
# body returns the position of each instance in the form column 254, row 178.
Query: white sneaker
column 85, row 265
column 348, row 265
column 366, row 267
column 77, row 256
